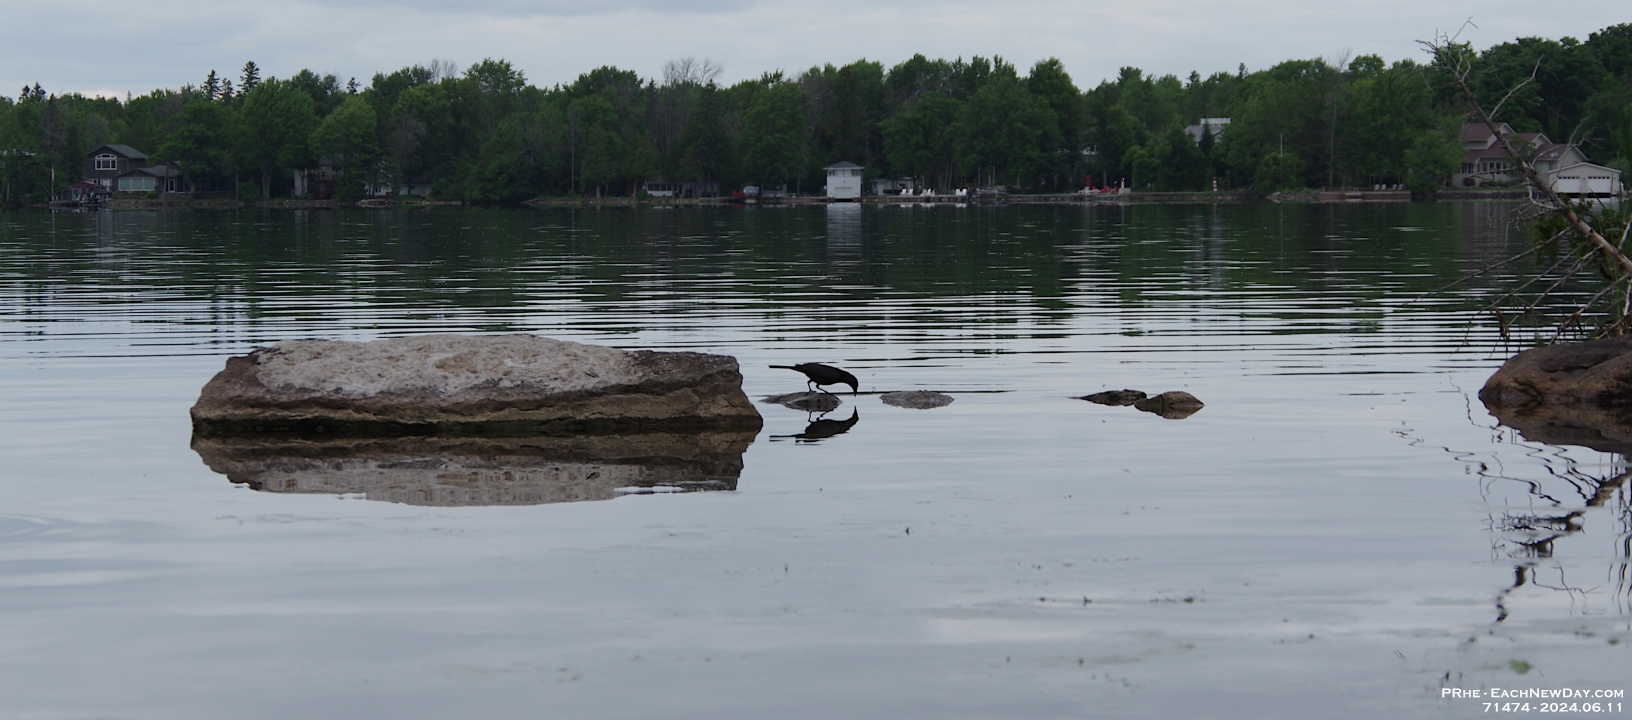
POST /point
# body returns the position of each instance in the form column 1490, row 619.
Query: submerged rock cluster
column 1173, row 405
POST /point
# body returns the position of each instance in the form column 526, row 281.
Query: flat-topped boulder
column 457, row 385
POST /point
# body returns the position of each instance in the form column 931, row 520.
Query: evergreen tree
column 250, row 78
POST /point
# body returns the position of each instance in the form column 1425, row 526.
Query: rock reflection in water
column 822, row 402
column 486, row 471
column 1533, row 535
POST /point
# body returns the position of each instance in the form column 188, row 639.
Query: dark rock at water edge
column 1567, row 394
column 807, row 401
column 916, row 399
column 1115, row 397
column 476, row 386
column 1173, row 405
column 1594, row 373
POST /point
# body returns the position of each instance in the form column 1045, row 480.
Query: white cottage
column 844, row 181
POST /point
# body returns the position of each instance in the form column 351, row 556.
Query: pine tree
column 352, row 86
column 212, row 86
column 251, row 78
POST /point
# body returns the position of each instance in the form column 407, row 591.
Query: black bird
column 820, row 375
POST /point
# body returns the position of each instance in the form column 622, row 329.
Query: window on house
column 107, row 161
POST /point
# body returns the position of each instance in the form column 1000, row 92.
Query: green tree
column 1279, row 171
column 1172, row 162
column 348, row 136
column 596, row 144
column 1049, row 82
column 325, row 90
column 250, row 78
column 1003, row 134
column 274, row 130
column 776, row 133
column 705, row 145
column 1283, row 113
column 420, row 132
column 918, row 140
column 1566, row 75
column 200, row 141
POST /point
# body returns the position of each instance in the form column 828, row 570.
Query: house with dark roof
column 124, row 169
column 164, row 178
column 107, row 162
column 1487, row 162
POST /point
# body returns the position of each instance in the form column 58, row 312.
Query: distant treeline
column 487, row 136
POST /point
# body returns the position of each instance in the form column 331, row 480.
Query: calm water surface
column 1341, row 532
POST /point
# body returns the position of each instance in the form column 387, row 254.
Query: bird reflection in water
column 822, row 428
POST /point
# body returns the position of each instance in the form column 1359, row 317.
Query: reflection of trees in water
column 1562, row 493
column 249, row 276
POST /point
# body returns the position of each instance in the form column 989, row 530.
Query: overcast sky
column 105, row 47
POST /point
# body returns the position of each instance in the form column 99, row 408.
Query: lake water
column 1342, row 531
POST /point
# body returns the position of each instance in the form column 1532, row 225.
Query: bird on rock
column 819, row 375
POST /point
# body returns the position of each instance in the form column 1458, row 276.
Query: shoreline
column 1236, row 197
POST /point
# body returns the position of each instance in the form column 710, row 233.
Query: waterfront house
column 844, row 180
column 1487, row 162
column 164, row 178
column 107, row 162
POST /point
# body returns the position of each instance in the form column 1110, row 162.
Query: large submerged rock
column 454, row 385
column 1568, row 394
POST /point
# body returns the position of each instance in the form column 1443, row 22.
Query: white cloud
column 138, row 47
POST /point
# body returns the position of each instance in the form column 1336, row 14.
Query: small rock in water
column 807, row 401
column 1115, row 397
column 1173, row 405
column 916, row 399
